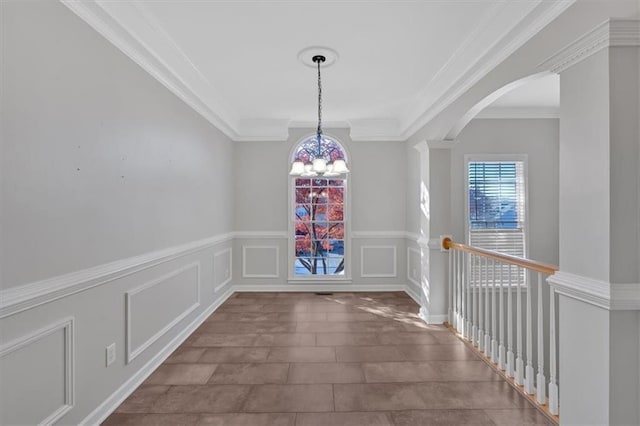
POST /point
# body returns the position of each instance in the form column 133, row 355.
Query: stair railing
column 489, row 293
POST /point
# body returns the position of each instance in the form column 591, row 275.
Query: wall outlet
column 111, row 354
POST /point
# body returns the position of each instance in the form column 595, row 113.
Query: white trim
column 244, row 262
column 259, row 235
column 432, row 319
column 229, row 265
column 409, row 275
column 611, row 33
column 611, row 296
column 455, row 86
column 395, row 262
column 132, row 353
column 378, row 234
column 413, row 293
column 20, row 298
column 134, row 31
column 317, row 287
column 67, row 327
column 100, row 413
column 512, row 113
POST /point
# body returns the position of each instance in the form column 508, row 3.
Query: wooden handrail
column 447, row 244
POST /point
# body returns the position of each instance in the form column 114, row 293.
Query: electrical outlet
column 111, row 354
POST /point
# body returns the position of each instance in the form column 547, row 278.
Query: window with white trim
column 496, row 215
column 496, row 211
column 318, row 215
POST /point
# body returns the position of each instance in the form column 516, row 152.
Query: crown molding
column 611, row 296
column 518, row 112
column 133, row 29
column 151, row 48
column 511, row 38
column 611, row 33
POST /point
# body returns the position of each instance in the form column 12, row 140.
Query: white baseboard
column 98, row 415
column 311, row 287
column 432, row 318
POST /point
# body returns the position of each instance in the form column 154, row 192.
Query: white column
column 599, row 278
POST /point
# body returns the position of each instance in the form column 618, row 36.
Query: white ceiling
column 400, row 62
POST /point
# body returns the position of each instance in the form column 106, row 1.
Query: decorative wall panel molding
column 260, row 261
column 267, row 235
column 375, row 266
column 414, row 268
column 65, row 326
column 222, row 261
column 612, row 296
column 378, row 234
column 157, row 292
column 100, row 413
column 17, row 299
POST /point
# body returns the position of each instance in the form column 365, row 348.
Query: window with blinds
column 497, row 206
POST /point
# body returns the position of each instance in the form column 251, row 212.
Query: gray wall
column 376, row 199
column 538, row 139
column 96, row 153
column 100, row 163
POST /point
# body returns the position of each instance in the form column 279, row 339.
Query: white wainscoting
column 222, row 269
column 378, row 261
column 414, row 265
column 154, row 308
column 34, row 386
column 260, row 261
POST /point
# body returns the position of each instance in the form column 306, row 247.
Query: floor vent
column 324, row 293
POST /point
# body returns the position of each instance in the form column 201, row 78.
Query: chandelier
column 319, row 161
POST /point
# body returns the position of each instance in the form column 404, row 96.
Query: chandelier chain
column 319, row 100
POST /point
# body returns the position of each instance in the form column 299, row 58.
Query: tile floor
column 300, row 359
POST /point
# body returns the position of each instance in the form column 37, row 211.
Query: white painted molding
column 100, row 413
column 413, row 292
column 245, row 274
column 67, row 327
column 606, row 295
column 611, row 33
column 131, row 352
column 129, row 27
column 510, row 38
column 432, row 318
column 518, row 113
column 20, row 298
column 266, row 235
column 378, row 234
column 409, row 274
column 229, row 265
column 317, row 287
column 376, row 275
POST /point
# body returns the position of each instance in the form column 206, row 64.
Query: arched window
column 318, row 212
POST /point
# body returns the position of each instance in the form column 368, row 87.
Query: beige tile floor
column 300, row 359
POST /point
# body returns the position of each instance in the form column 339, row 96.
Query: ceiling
column 400, row 62
column 536, row 98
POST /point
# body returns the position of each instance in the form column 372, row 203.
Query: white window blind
column 496, row 216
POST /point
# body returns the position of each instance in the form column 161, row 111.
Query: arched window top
column 309, row 149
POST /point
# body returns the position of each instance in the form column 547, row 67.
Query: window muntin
column 319, row 226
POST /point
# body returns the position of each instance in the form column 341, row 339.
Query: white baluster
column 519, row 379
column 482, row 270
column 450, row 311
column 487, row 334
column 474, row 308
column 529, row 372
column 553, row 386
column 501, row 351
column 541, row 383
column 469, row 277
column 460, row 264
column 494, row 328
column 510, row 367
